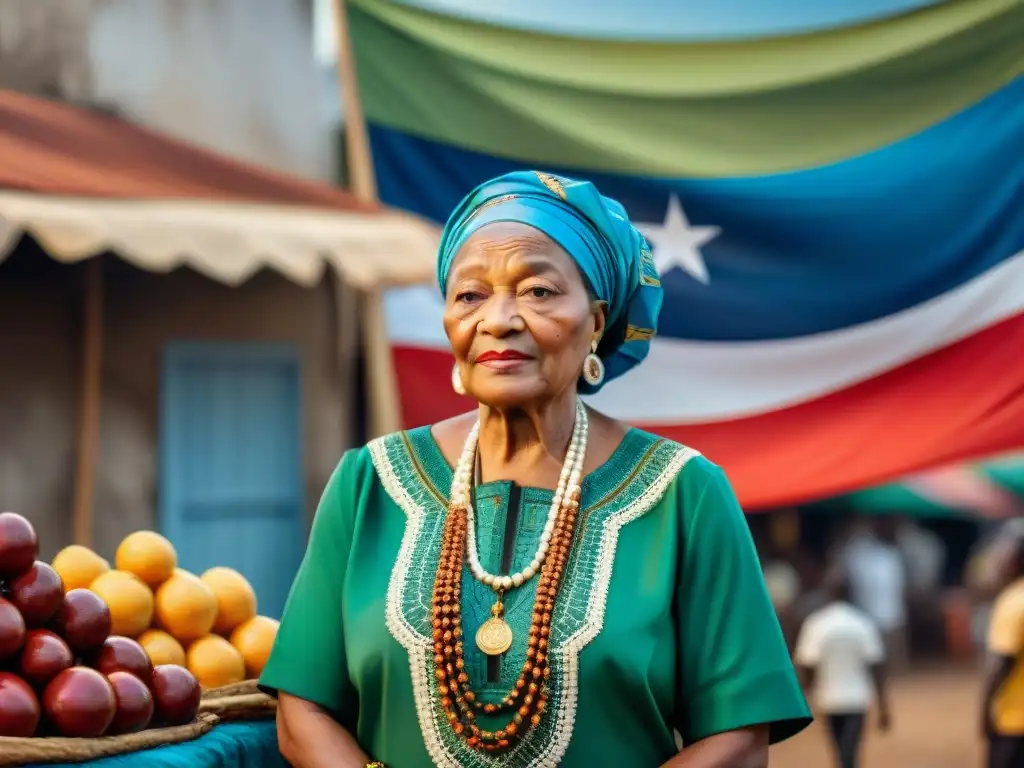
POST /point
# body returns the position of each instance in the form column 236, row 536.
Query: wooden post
column 382, row 386
column 91, row 397
column 358, row 157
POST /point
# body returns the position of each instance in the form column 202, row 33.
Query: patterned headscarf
column 595, row 231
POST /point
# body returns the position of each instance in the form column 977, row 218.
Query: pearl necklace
column 526, row 703
column 569, row 480
column 495, row 636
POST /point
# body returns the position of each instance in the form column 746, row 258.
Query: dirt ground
column 934, row 726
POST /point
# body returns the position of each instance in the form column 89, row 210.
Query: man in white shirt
column 878, row 584
column 841, row 655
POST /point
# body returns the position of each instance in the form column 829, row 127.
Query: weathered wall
column 237, row 76
column 39, row 382
column 38, row 390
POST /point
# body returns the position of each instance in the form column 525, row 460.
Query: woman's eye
column 540, row 292
column 468, row 297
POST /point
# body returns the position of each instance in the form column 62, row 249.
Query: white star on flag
column 677, row 244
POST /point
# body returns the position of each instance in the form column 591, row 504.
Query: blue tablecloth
column 229, row 745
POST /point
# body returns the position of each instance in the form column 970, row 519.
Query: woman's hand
column 308, row 737
column 744, row 748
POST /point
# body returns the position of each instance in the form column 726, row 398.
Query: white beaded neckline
column 568, row 492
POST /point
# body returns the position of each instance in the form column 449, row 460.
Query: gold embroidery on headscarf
column 633, row 333
column 648, row 270
column 552, row 182
column 488, row 204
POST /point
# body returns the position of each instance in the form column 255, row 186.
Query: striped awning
column 226, row 241
column 83, row 183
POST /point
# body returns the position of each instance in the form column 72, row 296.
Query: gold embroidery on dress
column 552, row 182
column 634, row 333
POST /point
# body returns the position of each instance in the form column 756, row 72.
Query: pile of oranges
column 207, row 623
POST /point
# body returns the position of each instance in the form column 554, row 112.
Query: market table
column 228, row 745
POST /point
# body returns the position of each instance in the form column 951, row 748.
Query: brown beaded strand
column 530, row 695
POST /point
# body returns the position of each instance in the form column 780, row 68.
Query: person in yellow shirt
column 1003, row 697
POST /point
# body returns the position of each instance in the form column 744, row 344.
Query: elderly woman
column 533, row 583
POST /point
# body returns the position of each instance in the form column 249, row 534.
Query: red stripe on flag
column 962, row 401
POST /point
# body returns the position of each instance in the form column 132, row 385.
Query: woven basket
column 15, row 751
column 246, row 687
column 241, row 701
column 253, row 706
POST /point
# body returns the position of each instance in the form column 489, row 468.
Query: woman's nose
column 501, row 315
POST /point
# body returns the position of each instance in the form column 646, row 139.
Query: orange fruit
column 129, row 600
column 215, row 662
column 148, row 555
column 236, row 600
column 79, row 566
column 162, row 648
column 185, row 607
column 254, row 639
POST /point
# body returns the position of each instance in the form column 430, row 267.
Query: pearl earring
column 593, row 367
column 457, row 380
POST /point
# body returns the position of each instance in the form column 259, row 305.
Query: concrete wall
column 40, row 375
column 237, row 76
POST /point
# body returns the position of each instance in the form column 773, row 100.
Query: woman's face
column 518, row 316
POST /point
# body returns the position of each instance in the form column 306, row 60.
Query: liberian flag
column 834, row 193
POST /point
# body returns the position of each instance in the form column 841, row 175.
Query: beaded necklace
column 528, row 698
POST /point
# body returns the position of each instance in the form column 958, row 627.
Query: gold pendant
column 495, row 635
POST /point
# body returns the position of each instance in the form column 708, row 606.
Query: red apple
column 83, row 620
column 37, row 593
column 122, row 654
column 19, row 707
column 44, row 657
column 134, row 703
column 18, row 544
column 80, row 702
column 177, row 694
column 12, row 629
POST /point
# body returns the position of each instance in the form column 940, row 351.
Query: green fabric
column 595, row 231
column 678, row 109
column 680, row 634
column 896, row 498
column 229, row 745
column 1007, row 472
column 901, row 498
column 674, row 70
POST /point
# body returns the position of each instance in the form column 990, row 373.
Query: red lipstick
column 505, row 360
column 507, row 354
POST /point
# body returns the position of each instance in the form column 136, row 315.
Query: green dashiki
column 662, row 623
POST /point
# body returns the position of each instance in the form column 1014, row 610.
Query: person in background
column 878, row 583
column 924, row 554
column 982, row 575
column 1002, row 713
column 841, row 658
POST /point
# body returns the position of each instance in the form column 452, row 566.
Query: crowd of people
column 851, row 630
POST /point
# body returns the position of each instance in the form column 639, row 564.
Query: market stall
column 84, row 187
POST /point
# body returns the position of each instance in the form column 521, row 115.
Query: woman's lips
column 502, row 361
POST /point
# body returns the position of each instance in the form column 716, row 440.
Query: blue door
column 231, row 486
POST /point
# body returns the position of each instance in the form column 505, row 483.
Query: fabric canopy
column 960, row 491
column 1006, row 472
column 82, row 183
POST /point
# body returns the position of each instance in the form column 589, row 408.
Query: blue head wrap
column 595, row 231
